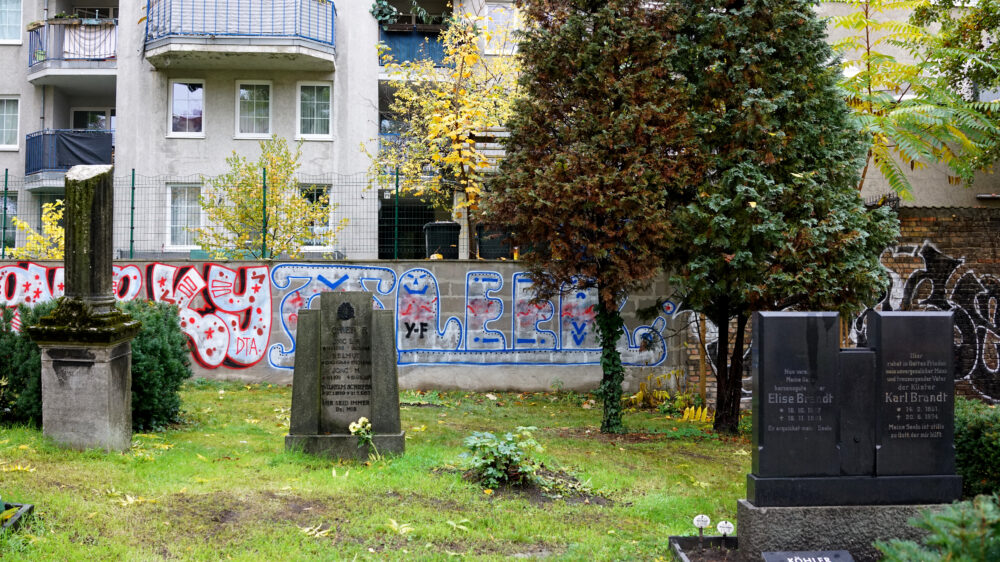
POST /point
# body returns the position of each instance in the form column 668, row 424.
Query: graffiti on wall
column 227, row 313
column 946, row 283
column 531, row 333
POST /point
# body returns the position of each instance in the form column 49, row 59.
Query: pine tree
column 599, row 150
column 777, row 221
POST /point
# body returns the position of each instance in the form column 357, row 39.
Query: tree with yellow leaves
column 241, row 223
column 447, row 110
column 50, row 244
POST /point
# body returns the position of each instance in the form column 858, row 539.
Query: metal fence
column 306, row 19
column 156, row 217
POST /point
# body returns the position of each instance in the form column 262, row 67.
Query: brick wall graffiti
column 922, row 277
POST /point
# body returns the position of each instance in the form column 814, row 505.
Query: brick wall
column 944, row 259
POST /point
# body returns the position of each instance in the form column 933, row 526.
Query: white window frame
column 270, row 110
column 17, row 132
column 20, row 27
column 490, row 48
column 170, row 246
column 298, row 111
column 329, row 212
column 170, row 108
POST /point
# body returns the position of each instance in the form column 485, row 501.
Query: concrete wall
column 467, row 325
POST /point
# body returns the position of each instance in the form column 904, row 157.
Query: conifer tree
column 777, row 221
column 599, row 151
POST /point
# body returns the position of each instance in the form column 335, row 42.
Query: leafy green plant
column 496, row 461
column 977, row 446
column 966, row 531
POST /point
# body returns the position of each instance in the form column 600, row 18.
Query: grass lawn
column 222, row 486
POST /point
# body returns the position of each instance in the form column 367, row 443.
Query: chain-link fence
column 167, row 217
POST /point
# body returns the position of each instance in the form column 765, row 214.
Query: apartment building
column 170, row 88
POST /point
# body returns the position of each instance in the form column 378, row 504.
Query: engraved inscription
column 915, row 396
column 346, row 374
column 801, row 405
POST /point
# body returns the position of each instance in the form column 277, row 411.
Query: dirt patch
column 419, row 405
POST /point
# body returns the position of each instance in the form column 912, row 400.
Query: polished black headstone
column 915, row 425
column 856, row 401
column 795, row 363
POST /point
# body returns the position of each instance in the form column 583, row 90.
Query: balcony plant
column 388, row 15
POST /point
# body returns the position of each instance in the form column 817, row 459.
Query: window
column 314, row 110
column 10, row 22
column 312, row 194
column 8, row 230
column 253, row 109
column 8, row 124
column 187, row 108
column 185, row 213
column 501, row 22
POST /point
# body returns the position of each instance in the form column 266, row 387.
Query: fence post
column 3, row 225
column 263, row 232
column 395, row 221
column 131, row 221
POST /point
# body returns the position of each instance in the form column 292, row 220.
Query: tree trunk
column 610, row 329
column 724, row 400
column 727, row 409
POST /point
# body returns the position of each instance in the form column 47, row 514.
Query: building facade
column 166, row 90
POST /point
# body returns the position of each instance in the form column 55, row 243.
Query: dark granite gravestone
column 793, row 405
column 915, row 426
column 877, row 426
column 345, row 369
column 876, row 444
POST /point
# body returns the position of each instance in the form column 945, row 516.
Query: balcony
column 408, row 43
column 81, row 54
column 241, row 34
column 54, row 151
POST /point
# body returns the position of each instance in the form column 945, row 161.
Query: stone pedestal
column 851, row 528
column 86, row 354
column 87, row 395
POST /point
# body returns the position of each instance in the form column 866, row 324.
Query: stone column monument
column 85, row 342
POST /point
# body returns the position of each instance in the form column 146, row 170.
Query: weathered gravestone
column 85, row 342
column 345, row 369
column 848, row 443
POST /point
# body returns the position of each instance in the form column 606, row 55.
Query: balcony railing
column 305, row 19
column 57, row 150
column 412, row 45
column 73, row 40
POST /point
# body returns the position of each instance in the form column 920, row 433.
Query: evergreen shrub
column 160, row 364
column 21, row 366
column 977, row 446
column 968, row 531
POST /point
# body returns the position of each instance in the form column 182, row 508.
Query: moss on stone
column 73, row 321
